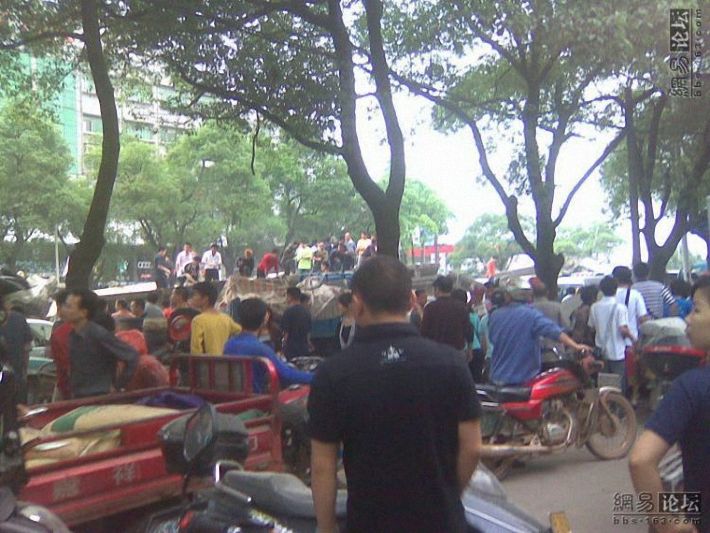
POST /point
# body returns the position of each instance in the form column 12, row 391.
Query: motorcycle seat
column 283, row 495
column 505, row 393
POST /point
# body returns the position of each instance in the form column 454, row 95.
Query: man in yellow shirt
column 210, row 329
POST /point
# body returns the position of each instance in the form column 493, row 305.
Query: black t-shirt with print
column 395, row 399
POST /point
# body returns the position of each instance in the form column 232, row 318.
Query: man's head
column 443, row 285
column 275, row 251
column 162, row 250
column 179, row 297
column 121, row 305
column 252, row 314
column 608, row 286
column 293, row 295
column 641, row 271
column 125, row 324
column 382, row 291
column 138, row 307
column 699, row 319
column 345, row 301
column 363, row 235
column 460, row 295
column 589, row 294
column 60, row 298
column 539, row 290
column 81, row 306
column 204, row 295
column 153, row 297
column 187, row 247
column 680, row 288
column 622, row 274
column 500, row 297
column 196, row 259
column 421, row 296
column 347, row 237
column 214, row 247
column 478, row 291
column 305, row 300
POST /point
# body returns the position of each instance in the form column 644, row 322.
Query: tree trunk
column 386, row 215
column 635, row 229
column 657, row 263
column 635, row 169
column 88, row 249
column 548, row 264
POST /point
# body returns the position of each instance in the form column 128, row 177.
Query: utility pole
column 685, row 258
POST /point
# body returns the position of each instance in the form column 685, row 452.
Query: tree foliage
column 663, row 171
column 299, row 65
column 527, row 72
column 487, row 237
column 37, row 194
column 597, row 240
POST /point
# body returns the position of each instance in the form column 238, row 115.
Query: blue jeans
column 618, row 368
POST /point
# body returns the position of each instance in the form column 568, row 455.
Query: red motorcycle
column 556, row 409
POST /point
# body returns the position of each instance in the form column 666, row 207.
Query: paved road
column 575, row 482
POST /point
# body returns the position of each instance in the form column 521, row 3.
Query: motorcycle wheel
column 613, row 437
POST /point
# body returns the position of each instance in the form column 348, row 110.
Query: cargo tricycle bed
column 95, row 457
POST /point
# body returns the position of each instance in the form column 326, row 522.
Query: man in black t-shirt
column 295, row 325
column 162, row 268
column 446, row 319
column 404, row 409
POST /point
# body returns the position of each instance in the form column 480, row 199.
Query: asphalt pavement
column 576, row 482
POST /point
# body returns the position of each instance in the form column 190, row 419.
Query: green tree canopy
column 528, row 72
column 37, row 194
column 487, row 237
column 596, row 241
column 298, row 65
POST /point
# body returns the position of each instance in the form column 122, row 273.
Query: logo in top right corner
column 685, row 44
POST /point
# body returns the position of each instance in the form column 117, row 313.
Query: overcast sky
column 449, row 164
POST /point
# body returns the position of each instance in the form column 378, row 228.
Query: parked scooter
column 16, row 516
column 264, row 501
column 556, row 409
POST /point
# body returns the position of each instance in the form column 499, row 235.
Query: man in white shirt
column 212, row 261
column 362, row 245
column 610, row 321
column 631, row 298
column 183, row 259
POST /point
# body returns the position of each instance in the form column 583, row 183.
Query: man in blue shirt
column 514, row 330
column 682, row 417
column 252, row 315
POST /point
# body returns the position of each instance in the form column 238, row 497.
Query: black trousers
column 211, row 274
column 476, row 365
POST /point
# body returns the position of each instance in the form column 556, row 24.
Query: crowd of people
column 101, row 347
column 401, row 390
column 301, row 257
column 498, row 328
